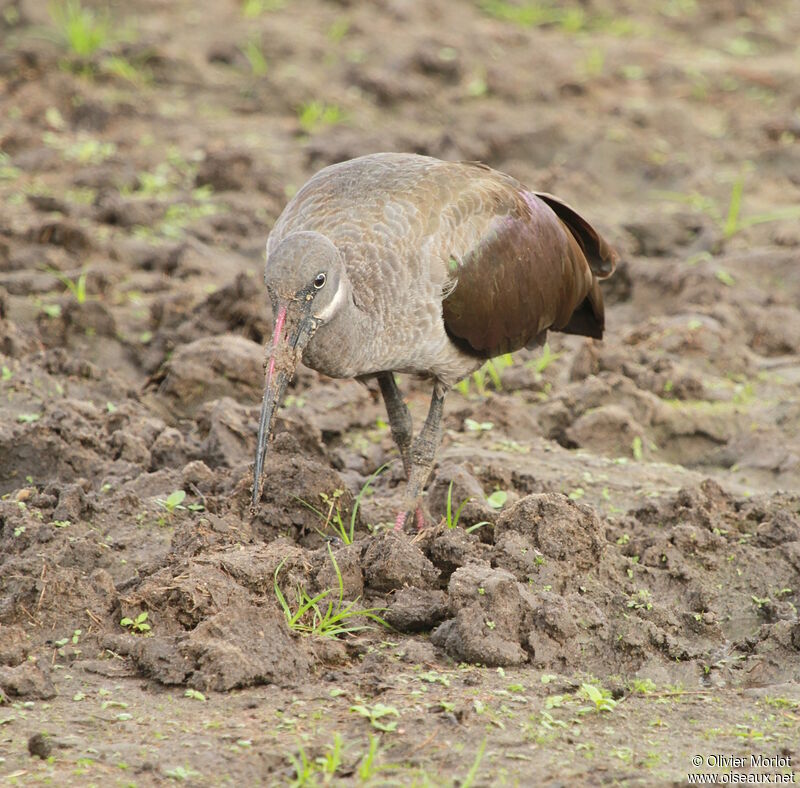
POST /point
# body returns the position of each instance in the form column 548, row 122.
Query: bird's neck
column 339, row 344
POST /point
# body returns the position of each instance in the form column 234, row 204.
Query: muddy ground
column 630, row 601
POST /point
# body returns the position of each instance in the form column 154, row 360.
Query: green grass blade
column 731, row 226
column 472, row 773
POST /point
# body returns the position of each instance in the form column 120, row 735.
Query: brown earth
column 633, row 602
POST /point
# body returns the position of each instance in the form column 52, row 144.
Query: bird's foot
column 413, row 515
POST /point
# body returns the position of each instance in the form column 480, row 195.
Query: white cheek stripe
column 335, row 303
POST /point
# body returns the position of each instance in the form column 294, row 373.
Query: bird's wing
column 524, row 263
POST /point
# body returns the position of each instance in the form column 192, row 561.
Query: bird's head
column 307, row 285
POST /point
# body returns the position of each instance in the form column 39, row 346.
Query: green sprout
column 599, row 698
column 377, row 713
column 138, row 624
column 77, row 286
column 451, row 518
column 314, row 115
column 82, row 30
column 730, row 221
column 255, row 57
column 173, row 501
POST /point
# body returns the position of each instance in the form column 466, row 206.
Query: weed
column 730, row 221
column 138, row 624
column 336, row 618
column 194, row 695
column 28, row 418
column 76, row 287
column 255, row 57
column 641, row 600
column 642, row 686
column 334, row 514
column 332, row 760
column 62, row 642
column 376, row 713
column 724, row 277
column 303, row 769
column 123, row 69
column 367, row 769
column 338, row 30
column 182, row 773
column 81, row 30
column 253, row 8
column 469, row 779
column 432, row 677
column 172, row 502
column 315, row 115
column 599, row 697
column 84, row 150
column 497, row 499
column 535, row 13
column 451, row 519
column 180, row 215
column 7, row 171
column 545, row 359
column 491, row 370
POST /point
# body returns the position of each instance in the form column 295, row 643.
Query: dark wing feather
column 601, row 257
column 530, row 271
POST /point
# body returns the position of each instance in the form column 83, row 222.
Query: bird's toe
column 415, row 514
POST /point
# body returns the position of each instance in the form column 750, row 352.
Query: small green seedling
column 255, row 57
column 81, row 30
column 173, row 501
column 599, row 698
column 194, row 695
column 545, row 359
column 469, row 780
column 478, row 426
column 77, row 286
column 730, row 221
column 497, row 499
column 641, row 600
column 490, row 370
column 377, row 713
column 138, row 624
column 451, row 519
column 315, row 115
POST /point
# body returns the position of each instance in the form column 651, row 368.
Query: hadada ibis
column 402, row 263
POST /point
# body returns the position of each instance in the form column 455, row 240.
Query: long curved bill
column 288, row 342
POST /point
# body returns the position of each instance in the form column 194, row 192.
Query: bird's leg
column 399, row 417
column 423, row 452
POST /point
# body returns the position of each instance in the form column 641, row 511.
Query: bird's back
column 462, row 246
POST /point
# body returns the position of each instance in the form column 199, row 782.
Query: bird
column 402, row 263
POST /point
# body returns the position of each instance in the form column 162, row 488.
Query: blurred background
column 637, row 110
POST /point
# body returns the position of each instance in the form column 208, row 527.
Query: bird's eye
column 319, row 281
